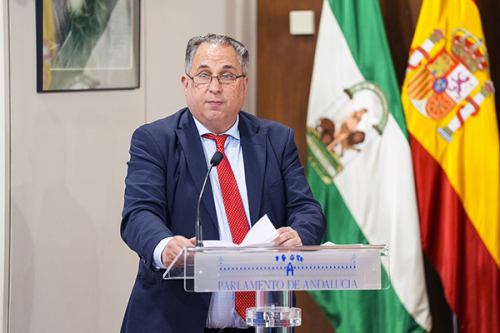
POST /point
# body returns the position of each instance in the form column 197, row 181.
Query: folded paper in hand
column 262, row 233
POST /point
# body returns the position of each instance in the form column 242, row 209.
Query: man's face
column 215, row 105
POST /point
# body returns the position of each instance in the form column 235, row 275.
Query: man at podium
column 260, row 173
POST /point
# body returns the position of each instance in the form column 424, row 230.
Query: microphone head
column 216, row 159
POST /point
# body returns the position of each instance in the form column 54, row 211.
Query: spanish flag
column 448, row 98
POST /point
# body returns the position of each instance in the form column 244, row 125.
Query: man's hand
column 174, row 247
column 287, row 237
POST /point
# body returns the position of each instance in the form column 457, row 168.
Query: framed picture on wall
column 87, row 44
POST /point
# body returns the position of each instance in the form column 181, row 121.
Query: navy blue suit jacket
column 166, row 171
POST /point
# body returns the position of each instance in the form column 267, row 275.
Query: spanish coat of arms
column 443, row 83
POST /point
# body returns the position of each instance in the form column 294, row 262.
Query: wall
column 3, row 176
column 70, row 271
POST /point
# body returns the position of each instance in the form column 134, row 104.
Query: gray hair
column 213, row 39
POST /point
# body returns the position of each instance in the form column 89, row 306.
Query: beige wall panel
column 70, row 271
column 4, row 100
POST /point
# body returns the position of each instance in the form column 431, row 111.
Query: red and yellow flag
column 448, row 98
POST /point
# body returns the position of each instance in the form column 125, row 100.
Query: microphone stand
column 214, row 161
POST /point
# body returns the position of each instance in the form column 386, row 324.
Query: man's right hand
column 175, row 246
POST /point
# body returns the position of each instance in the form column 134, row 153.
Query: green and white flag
column 360, row 169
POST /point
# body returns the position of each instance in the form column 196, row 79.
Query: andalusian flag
column 360, row 169
column 450, row 113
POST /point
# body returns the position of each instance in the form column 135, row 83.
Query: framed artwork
column 87, row 44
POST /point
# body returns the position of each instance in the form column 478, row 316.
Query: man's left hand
column 287, row 237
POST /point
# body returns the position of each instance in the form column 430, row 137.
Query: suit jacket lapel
column 254, row 154
column 195, row 159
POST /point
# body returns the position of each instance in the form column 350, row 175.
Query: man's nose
column 214, row 85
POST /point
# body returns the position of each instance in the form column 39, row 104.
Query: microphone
column 214, row 161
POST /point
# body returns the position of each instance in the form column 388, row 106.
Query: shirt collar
column 232, row 131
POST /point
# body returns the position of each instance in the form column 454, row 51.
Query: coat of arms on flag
column 443, row 83
column 355, row 118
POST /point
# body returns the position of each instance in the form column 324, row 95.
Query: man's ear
column 245, row 82
column 185, row 83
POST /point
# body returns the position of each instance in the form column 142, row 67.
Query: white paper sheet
column 262, row 233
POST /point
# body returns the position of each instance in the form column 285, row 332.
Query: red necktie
column 235, row 215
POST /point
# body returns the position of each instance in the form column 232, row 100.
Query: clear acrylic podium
column 275, row 272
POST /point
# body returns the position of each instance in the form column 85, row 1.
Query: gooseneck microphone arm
column 214, row 161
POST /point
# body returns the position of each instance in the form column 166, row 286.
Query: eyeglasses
column 204, row 78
